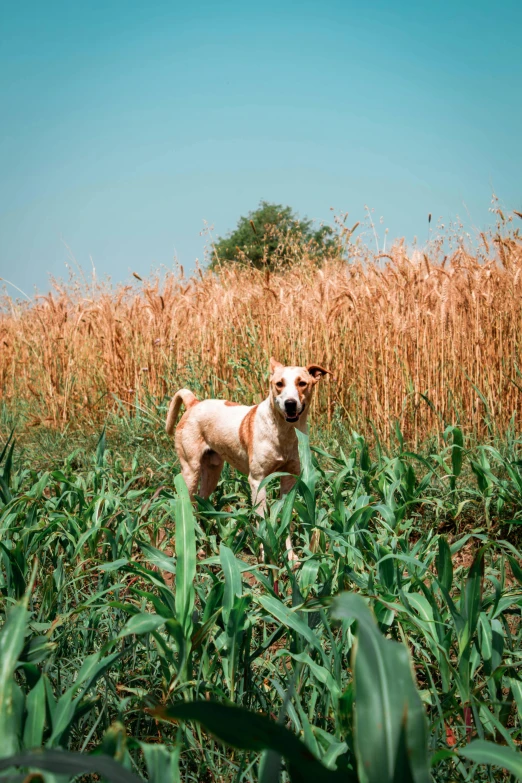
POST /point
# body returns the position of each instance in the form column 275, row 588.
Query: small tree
column 271, row 235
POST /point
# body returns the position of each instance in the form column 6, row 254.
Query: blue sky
column 125, row 125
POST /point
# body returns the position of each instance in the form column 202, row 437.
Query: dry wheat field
column 422, row 338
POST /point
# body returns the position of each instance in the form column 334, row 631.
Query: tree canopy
column 270, row 235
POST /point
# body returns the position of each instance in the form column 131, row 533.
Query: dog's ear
column 274, row 364
column 317, row 372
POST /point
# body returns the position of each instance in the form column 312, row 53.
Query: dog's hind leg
column 192, row 475
column 190, row 448
column 211, row 467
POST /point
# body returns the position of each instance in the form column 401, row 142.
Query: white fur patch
column 290, row 391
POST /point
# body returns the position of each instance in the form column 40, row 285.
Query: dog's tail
column 184, row 396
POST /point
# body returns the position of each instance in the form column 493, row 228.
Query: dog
column 257, row 440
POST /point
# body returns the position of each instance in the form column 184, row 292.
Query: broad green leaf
column 162, row 762
column 308, row 575
column 37, row 489
column 482, row 752
column 9, row 459
column 114, row 565
column 456, row 451
column 444, row 564
column 286, row 511
column 246, row 730
column 386, row 701
column 494, row 727
column 309, row 474
column 290, row 619
column 335, row 750
column 471, row 600
column 11, row 645
column 92, row 532
column 306, row 512
column 233, row 583
column 321, row 673
column 141, row 623
column 431, row 626
column 35, row 720
column 93, row 668
column 185, row 556
column 158, row 558
column 485, row 637
column 517, row 570
column 100, row 449
column 63, row 762
column 507, row 602
column 386, row 568
column 235, row 627
column 308, row 734
column 62, row 717
column 516, row 689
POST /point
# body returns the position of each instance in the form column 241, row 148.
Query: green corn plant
column 487, row 482
column 115, row 620
column 235, row 615
column 457, row 448
column 5, row 476
column 390, row 728
column 505, row 485
column 31, row 718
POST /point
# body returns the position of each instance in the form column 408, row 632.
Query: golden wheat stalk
column 424, row 326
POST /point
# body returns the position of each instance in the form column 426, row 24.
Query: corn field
column 143, row 640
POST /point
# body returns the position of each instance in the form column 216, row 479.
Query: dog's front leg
column 258, row 495
column 259, row 503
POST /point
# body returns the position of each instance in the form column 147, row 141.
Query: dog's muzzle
column 291, row 413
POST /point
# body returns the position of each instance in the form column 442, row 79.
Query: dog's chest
column 276, row 455
column 284, row 455
column 274, row 447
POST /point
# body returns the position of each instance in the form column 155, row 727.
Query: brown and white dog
column 257, row 440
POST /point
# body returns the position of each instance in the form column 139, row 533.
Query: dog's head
column 291, row 388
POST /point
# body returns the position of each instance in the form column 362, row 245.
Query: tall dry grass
column 396, row 330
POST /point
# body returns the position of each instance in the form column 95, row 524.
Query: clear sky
column 125, row 125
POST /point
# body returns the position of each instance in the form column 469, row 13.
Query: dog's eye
column 279, row 385
column 302, row 384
